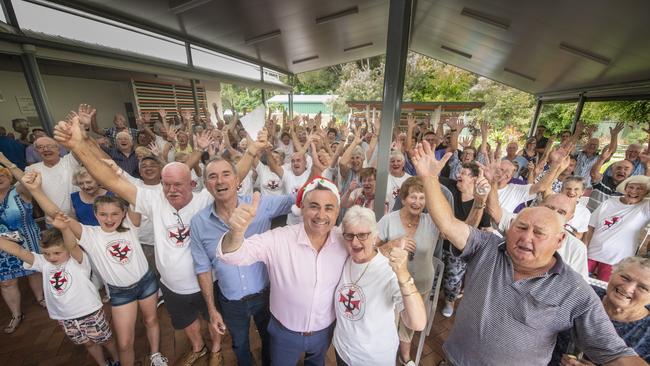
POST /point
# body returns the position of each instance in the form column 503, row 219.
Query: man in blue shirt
column 242, row 291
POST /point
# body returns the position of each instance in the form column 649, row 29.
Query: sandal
column 41, row 302
column 14, row 323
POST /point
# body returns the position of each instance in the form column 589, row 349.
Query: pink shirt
column 303, row 280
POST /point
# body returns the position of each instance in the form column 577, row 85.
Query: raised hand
column 465, row 141
column 86, row 112
column 482, row 186
column 606, row 154
column 154, row 148
column 203, row 139
column 4, row 160
column 163, row 115
column 491, row 171
column 60, row 220
column 425, row 162
column 32, row 180
column 398, row 259
column 261, row 143
column 69, row 133
column 243, row 215
column 411, row 122
column 617, row 129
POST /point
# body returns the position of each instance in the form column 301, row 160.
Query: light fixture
column 585, row 53
column 511, row 71
column 305, row 59
column 352, row 48
column 458, row 52
column 486, row 18
column 339, row 14
column 263, row 37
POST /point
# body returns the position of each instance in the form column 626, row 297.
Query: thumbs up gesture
column 243, row 215
column 397, row 258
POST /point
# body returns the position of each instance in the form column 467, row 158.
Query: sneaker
column 191, row 357
column 157, row 359
column 215, row 359
column 408, row 363
column 448, row 310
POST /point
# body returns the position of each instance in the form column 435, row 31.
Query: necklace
column 362, row 273
column 410, row 224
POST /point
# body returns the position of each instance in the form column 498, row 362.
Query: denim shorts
column 145, row 287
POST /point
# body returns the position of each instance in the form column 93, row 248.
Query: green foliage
column 323, row 81
column 557, row 117
column 507, row 109
column 429, row 80
column 241, row 96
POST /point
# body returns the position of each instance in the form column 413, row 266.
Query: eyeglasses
column 46, row 147
column 360, row 236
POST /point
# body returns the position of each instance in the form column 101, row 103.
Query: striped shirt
column 504, row 322
column 601, row 192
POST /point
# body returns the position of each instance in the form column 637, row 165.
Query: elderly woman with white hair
column 615, row 225
column 373, row 288
column 627, row 303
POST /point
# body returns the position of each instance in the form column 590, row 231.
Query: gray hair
column 643, row 263
column 79, row 173
column 357, row 215
column 124, row 133
column 358, row 151
column 216, row 159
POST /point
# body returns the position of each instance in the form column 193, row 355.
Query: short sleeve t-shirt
column 393, row 188
column 269, row 182
column 57, row 181
column 172, row 237
column 245, row 187
column 291, row 185
column 616, row 227
column 580, row 220
column 118, row 256
column 69, row 293
column 512, row 195
column 366, row 311
column 426, row 237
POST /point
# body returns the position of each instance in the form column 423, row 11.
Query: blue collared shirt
column 207, row 228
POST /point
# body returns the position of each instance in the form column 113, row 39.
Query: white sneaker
column 157, row 359
column 448, row 310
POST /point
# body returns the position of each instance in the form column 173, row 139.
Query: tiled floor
column 40, row 341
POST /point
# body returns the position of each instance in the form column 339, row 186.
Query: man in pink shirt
column 304, row 262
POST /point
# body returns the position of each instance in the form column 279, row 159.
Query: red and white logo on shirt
column 273, row 184
column 178, row 235
column 60, row 281
column 351, row 302
column 119, row 251
column 609, row 222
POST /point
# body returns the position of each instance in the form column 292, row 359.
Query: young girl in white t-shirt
column 117, row 254
column 71, row 297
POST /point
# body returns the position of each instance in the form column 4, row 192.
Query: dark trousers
column 287, row 346
column 236, row 314
column 339, row 360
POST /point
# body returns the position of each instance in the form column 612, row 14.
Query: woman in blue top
column 16, row 215
column 627, row 302
column 82, row 201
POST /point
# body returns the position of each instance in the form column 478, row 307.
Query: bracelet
column 479, row 206
column 410, row 293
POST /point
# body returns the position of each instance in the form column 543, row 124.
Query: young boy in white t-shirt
column 70, row 296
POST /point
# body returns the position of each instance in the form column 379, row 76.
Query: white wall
column 65, row 94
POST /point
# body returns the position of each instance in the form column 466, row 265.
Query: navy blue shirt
column 207, row 228
column 14, row 151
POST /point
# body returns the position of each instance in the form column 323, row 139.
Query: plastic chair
column 431, row 304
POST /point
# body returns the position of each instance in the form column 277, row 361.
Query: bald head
column 177, row 184
column 561, row 204
column 544, row 217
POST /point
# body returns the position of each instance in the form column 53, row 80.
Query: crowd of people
column 546, row 248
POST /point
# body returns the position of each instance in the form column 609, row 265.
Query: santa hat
column 310, row 186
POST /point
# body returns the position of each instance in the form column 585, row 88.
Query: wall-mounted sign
column 26, row 106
